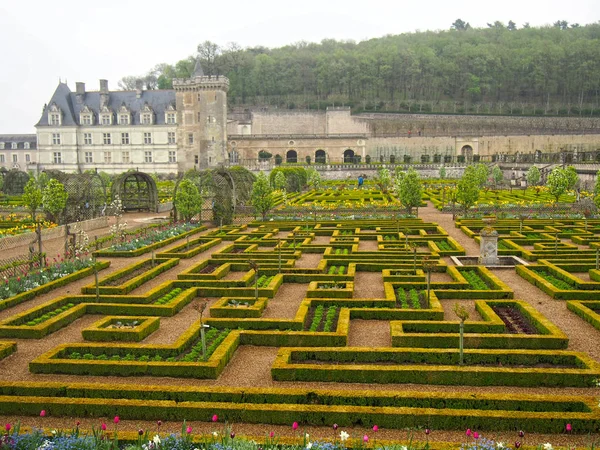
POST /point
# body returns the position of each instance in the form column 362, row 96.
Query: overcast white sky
column 42, row 41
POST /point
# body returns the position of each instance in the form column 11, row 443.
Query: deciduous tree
column 262, row 195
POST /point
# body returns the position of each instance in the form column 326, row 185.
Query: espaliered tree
column 262, row 195
column 408, row 189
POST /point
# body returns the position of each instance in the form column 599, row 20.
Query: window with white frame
column 124, row 138
column 125, row 157
column 86, row 119
column 106, row 119
column 27, row 157
column 55, row 138
column 15, row 158
column 106, row 138
column 54, row 119
column 13, row 145
column 147, row 156
column 190, row 138
column 172, row 156
column 146, row 119
column 107, row 157
column 147, row 138
column 26, row 146
column 171, row 137
column 124, row 119
column 87, row 138
column 89, row 158
column 171, row 118
column 2, row 159
column 57, row 158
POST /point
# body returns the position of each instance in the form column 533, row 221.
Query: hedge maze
column 241, row 285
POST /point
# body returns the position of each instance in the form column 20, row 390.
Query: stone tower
column 202, row 120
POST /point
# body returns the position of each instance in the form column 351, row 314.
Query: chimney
column 80, row 91
column 139, row 88
column 103, row 93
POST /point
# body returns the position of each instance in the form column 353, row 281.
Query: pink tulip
column 43, row 413
column 271, row 434
column 569, row 427
column 215, row 418
column 365, row 438
column 468, row 433
column 427, row 431
column 375, row 428
column 116, row 419
column 103, row 426
column 295, row 426
column 475, row 435
column 188, row 430
column 7, row 427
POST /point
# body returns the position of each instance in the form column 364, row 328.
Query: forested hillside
column 500, row 70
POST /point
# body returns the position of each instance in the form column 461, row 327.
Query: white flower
column 404, row 447
column 309, row 445
column 547, row 446
column 215, row 434
column 499, row 444
column 156, row 439
column 344, row 436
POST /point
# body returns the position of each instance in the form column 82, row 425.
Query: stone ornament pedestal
column 488, row 245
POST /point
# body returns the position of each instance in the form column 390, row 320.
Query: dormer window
column 106, row 119
column 123, row 119
column 26, row 145
column 146, row 115
column 146, row 119
column 171, row 119
column 54, row 115
column 86, row 116
column 13, row 145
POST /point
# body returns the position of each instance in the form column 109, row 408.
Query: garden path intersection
column 338, row 326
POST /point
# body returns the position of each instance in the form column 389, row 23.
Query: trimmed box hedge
column 100, row 331
column 435, row 366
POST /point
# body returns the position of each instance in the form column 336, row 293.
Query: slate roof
column 67, row 101
column 20, row 139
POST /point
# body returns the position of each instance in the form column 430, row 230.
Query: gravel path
column 250, row 366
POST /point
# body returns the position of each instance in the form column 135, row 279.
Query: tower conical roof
column 198, row 72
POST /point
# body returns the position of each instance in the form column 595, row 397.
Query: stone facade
column 17, row 151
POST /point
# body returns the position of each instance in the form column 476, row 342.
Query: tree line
column 501, row 69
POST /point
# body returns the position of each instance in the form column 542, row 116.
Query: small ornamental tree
column 408, row 189
column 497, row 175
column 572, row 177
column 384, row 179
column 188, row 199
column 54, row 199
column 442, row 172
column 314, row 178
column 467, row 188
column 279, row 182
column 533, row 176
column 597, row 190
column 262, row 195
column 481, row 173
column 557, row 183
column 32, row 197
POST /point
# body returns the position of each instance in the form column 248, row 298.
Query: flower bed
column 125, row 328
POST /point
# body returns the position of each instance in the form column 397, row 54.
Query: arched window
column 320, row 157
column 291, row 156
column 349, row 156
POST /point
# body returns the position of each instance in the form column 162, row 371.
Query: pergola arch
column 14, row 182
column 86, row 194
column 137, row 191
